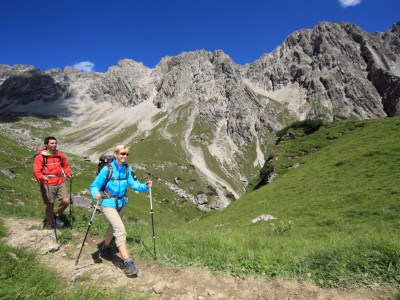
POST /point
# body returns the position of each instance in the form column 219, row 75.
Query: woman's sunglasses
column 124, row 154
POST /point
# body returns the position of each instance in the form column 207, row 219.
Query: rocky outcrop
column 25, row 84
column 339, row 69
column 127, row 84
column 214, row 83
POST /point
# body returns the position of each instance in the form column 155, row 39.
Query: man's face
column 52, row 145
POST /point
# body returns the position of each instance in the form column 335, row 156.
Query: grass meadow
column 335, row 198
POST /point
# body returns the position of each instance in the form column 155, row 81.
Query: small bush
column 306, row 127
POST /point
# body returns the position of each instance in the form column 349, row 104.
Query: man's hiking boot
column 130, row 269
column 59, row 223
column 106, row 252
column 47, row 225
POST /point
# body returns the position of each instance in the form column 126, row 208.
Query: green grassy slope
column 353, row 177
column 337, row 213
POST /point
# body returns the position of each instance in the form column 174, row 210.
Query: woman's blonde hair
column 119, row 148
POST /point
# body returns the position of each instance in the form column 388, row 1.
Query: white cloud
column 347, row 3
column 84, row 66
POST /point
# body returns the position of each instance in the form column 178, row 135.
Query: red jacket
column 56, row 166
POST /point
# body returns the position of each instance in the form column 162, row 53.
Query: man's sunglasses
column 124, row 154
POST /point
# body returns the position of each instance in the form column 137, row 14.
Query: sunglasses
column 124, row 154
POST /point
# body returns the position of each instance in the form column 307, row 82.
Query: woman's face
column 122, row 155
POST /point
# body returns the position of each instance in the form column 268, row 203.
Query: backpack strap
column 44, row 157
column 45, row 164
column 108, row 177
column 44, row 161
column 110, row 172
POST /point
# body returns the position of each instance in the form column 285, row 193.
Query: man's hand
column 149, row 184
column 98, row 196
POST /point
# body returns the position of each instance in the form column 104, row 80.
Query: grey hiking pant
column 116, row 226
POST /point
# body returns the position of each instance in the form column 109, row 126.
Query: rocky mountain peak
column 332, row 69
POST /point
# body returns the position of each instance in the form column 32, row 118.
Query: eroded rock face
column 213, row 82
column 340, row 69
column 127, row 84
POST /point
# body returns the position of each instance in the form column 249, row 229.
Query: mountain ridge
column 222, row 116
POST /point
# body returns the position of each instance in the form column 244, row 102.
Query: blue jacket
column 116, row 186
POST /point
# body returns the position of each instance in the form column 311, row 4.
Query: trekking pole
column 70, row 201
column 152, row 225
column 87, row 231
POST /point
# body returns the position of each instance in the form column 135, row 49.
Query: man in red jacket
column 50, row 167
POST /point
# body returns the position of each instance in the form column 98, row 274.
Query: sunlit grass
column 336, row 213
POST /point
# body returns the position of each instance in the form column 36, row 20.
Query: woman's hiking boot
column 130, row 268
column 106, row 252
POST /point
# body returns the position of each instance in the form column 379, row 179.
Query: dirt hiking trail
column 158, row 282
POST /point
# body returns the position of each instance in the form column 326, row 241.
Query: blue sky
column 94, row 35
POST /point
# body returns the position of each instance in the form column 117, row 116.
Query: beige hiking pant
column 116, row 226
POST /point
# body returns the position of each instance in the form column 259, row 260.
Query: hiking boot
column 106, row 252
column 47, row 225
column 130, row 269
column 59, row 223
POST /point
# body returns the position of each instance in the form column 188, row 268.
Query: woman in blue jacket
column 113, row 200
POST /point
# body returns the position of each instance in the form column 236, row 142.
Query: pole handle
column 151, row 201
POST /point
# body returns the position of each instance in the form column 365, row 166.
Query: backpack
column 44, row 158
column 105, row 160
